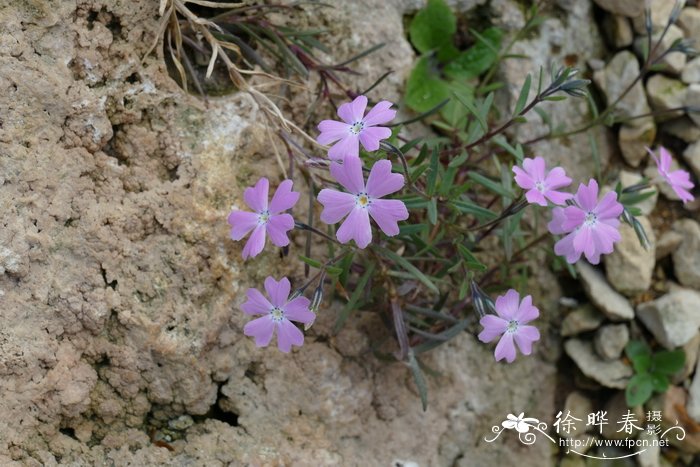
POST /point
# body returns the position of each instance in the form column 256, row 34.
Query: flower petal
column 535, row 197
column 370, row 137
column 255, row 243
column 565, row 247
column 356, row 227
column 336, row 205
column 386, row 213
column 262, row 329
column 382, row 181
column 349, row 174
column 505, row 348
column 493, row 326
column 608, row 207
column 257, row 304
column 332, row 131
column 666, row 159
column 278, row 226
column 556, row 178
column 525, row 336
column 284, row 198
column 523, row 179
column 242, row 222
column 346, row 147
column 587, row 196
column 507, row 305
column 278, row 291
column 297, row 309
column 352, row 112
column 256, row 197
column 526, row 312
column 557, row 197
column 288, row 335
column 379, row 114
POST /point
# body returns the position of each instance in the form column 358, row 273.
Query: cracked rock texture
column 120, row 288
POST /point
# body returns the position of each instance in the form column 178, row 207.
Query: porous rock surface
column 120, row 289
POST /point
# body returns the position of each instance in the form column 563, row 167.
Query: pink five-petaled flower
column 356, row 128
column 511, row 324
column 591, row 225
column 270, row 219
column 363, row 201
column 278, row 313
column 678, row 179
column 540, row 183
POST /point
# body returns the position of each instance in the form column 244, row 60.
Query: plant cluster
column 426, row 230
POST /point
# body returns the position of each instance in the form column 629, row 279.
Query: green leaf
column 418, row 378
column 668, row 362
column 311, row 262
column 469, row 258
column 455, row 111
column 424, row 88
column 659, row 382
column 431, row 181
column 472, row 108
column 433, row 26
column 461, row 159
column 629, row 199
column 414, row 271
column 354, row 298
column 477, row 59
column 490, row 184
column 466, row 206
column 432, row 211
column 524, row 93
column 635, row 348
column 641, row 363
column 639, row 389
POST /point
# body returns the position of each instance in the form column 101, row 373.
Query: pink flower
column 356, row 128
column 266, row 219
column 541, row 185
column 363, row 201
column 511, row 325
column 592, row 226
column 278, row 313
column 678, row 179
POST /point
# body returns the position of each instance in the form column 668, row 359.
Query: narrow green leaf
column 490, row 184
column 354, row 298
column 639, row 389
column 311, row 262
column 524, row 93
column 418, row 378
column 432, row 211
column 400, row 261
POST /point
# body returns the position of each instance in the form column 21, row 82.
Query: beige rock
column 683, row 128
column 616, row 407
column 691, row 155
column 686, row 258
column 620, row 72
column 615, row 306
column 579, row 406
column 634, row 139
column 674, row 61
column 673, row 319
column 689, row 22
column 691, row 350
column 629, row 8
column 693, row 99
column 610, row 341
column 668, row 243
column 691, row 72
column 660, row 13
column 629, row 267
column 585, row 318
column 611, row 374
column 618, row 30
column 666, row 94
column 672, row 404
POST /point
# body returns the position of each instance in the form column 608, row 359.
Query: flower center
column 277, row 314
column 263, row 217
column 362, row 200
column 512, row 326
column 540, row 186
column 591, row 219
column 357, row 127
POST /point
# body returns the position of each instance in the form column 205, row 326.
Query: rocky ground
column 121, row 339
